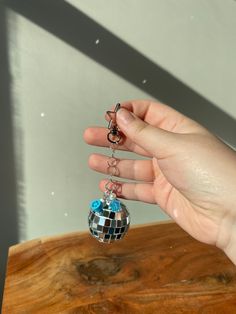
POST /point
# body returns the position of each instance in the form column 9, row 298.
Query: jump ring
column 113, row 138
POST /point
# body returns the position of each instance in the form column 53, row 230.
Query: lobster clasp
column 114, row 135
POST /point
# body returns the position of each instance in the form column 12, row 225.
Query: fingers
column 140, row 170
column 147, row 109
column 160, row 115
column 98, row 136
column 152, row 113
column 155, row 141
column 133, row 191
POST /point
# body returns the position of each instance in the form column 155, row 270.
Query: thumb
column 156, row 141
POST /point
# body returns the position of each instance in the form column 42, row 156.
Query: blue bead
column 115, row 205
column 96, row 206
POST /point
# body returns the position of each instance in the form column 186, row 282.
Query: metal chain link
column 114, row 138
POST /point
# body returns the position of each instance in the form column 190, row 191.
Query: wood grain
column 155, row 269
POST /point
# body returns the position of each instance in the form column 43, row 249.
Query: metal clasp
column 114, row 135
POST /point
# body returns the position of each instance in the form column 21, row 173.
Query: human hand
column 190, row 173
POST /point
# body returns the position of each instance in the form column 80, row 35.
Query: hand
column 190, row 173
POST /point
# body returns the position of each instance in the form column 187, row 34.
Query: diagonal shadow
column 80, row 31
column 8, row 193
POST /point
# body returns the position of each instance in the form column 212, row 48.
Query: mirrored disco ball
column 108, row 220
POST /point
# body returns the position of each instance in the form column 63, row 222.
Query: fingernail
column 124, row 116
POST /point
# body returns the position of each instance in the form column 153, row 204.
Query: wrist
column 227, row 236
column 230, row 249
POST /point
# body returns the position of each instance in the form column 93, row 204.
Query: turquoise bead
column 115, row 205
column 96, row 206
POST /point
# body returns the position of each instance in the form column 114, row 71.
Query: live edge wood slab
column 155, row 269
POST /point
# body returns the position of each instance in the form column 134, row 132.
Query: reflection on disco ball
column 108, row 219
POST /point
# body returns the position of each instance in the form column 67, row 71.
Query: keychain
column 109, row 218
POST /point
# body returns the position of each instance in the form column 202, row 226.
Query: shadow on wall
column 8, row 195
column 80, row 31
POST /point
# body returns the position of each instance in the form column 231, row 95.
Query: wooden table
column 155, row 269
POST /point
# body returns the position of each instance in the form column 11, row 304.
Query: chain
column 114, row 138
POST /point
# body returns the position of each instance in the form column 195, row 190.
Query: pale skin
column 189, row 172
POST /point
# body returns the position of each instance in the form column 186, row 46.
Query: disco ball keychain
column 108, row 217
